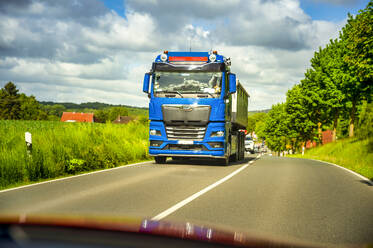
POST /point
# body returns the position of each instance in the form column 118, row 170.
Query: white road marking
column 343, row 168
column 69, row 177
column 198, row 194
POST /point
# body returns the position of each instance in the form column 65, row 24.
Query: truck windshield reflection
column 191, row 82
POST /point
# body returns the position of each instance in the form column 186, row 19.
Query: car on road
column 249, row 144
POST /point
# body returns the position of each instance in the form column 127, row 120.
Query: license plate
column 185, row 142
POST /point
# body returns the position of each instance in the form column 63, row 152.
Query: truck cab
column 192, row 111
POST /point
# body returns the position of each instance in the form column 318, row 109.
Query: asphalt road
column 268, row 196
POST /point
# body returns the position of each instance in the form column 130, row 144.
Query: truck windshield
column 206, row 84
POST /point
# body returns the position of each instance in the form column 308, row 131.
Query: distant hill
column 88, row 105
column 56, row 108
column 100, row 105
column 259, row 111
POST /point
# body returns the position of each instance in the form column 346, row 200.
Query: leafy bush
column 75, row 165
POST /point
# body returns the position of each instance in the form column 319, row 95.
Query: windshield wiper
column 166, row 91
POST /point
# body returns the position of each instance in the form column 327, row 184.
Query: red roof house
column 77, row 117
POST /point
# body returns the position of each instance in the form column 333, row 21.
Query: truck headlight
column 156, row 143
column 155, row 132
column 217, row 134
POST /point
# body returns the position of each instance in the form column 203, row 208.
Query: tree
column 357, row 39
column 260, row 127
column 55, row 110
column 9, row 102
column 110, row 114
column 16, row 106
column 299, row 117
column 335, row 73
column 365, row 127
column 322, row 86
column 250, row 124
column 101, row 115
column 114, row 112
column 252, row 120
column 30, row 109
column 276, row 128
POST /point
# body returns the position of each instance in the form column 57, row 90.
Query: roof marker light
column 212, row 57
column 164, row 57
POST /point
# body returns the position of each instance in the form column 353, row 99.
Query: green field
column 353, row 154
column 66, row 148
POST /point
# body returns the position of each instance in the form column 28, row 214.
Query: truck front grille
column 185, row 132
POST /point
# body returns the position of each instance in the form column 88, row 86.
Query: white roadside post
column 28, row 140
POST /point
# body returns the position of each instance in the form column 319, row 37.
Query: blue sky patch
column 331, row 12
column 116, row 5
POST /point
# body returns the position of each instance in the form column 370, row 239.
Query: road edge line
column 187, row 200
column 73, row 176
column 343, row 168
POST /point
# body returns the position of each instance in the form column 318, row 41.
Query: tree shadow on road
column 369, row 183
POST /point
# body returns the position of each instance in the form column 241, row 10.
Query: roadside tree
column 357, row 39
column 10, row 105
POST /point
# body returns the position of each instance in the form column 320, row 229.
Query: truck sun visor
column 211, row 67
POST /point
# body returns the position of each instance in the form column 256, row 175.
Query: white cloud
column 85, row 52
column 114, row 33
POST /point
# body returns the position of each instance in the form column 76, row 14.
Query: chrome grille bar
column 182, row 132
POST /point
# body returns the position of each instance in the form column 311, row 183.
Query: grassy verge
column 353, row 154
column 61, row 149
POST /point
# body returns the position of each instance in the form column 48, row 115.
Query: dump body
column 239, row 101
column 197, row 108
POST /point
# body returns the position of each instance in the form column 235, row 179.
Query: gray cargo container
column 239, row 104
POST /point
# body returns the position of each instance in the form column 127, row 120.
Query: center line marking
column 196, row 195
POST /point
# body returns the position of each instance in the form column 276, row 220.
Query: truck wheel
column 234, row 157
column 242, row 146
column 224, row 161
column 160, row 160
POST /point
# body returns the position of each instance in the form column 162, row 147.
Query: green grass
column 61, row 149
column 353, row 154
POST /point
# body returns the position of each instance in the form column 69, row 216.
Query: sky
column 98, row 50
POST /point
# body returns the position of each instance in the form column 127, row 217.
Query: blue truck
column 197, row 107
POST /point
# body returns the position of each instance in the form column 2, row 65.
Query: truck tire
column 234, row 157
column 224, row 161
column 160, row 160
column 242, row 146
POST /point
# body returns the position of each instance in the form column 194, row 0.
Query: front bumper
column 194, row 148
column 187, row 153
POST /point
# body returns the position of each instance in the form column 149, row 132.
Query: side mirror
column 232, row 83
column 145, row 87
